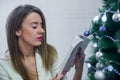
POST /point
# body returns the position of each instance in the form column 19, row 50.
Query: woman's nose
column 41, row 30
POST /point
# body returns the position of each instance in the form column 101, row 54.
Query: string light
column 90, row 66
column 95, row 45
column 110, row 68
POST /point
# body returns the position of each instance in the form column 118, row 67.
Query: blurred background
column 65, row 19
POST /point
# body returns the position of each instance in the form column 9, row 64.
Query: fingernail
column 64, row 72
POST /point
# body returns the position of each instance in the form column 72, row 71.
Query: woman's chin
column 38, row 44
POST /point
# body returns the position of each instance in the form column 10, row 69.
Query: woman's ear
column 18, row 33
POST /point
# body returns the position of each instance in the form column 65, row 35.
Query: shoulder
column 7, row 72
column 4, row 66
column 4, row 58
column 5, row 61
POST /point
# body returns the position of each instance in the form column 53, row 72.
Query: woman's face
column 31, row 33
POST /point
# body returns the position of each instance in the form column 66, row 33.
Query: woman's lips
column 39, row 38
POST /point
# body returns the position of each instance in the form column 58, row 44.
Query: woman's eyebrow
column 34, row 23
column 37, row 23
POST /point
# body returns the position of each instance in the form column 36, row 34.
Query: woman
column 29, row 56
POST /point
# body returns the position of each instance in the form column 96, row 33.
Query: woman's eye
column 34, row 26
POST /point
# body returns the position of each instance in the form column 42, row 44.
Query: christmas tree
column 104, row 32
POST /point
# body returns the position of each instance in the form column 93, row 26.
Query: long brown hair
column 14, row 22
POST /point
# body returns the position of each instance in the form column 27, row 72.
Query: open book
column 79, row 42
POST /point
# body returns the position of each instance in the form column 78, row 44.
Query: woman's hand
column 79, row 61
column 58, row 77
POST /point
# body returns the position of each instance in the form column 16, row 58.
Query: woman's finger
column 58, row 77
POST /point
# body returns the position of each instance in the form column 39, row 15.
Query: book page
column 79, row 42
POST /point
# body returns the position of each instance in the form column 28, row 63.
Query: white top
column 7, row 72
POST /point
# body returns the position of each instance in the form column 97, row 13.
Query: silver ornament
column 96, row 18
column 99, row 65
column 104, row 18
column 116, row 16
column 99, row 75
column 99, row 55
